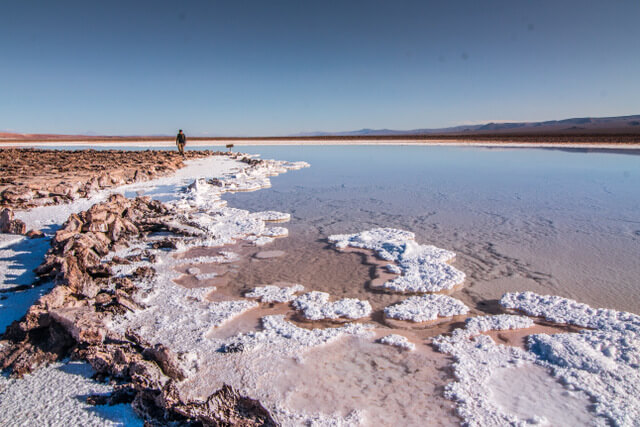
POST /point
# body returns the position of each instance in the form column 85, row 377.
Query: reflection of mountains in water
column 607, row 125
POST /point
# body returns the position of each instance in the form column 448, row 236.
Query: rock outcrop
column 10, row 225
column 70, row 320
column 32, row 177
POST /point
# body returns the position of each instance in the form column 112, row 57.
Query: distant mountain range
column 622, row 124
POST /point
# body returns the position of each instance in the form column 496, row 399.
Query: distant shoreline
column 599, row 142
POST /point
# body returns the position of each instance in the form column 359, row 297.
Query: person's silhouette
column 181, row 141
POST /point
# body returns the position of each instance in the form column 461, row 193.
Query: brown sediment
column 33, row 177
column 345, row 273
column 429, row 324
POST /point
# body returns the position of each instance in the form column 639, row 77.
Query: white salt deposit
column 424, row 268
column 272, row 216
column 316, row 306
column 206, row 276
column 603, row 362
column 398, row 341
column 260, row 241
column 563, row 310
column 426, row 307
column 275, row 232
column 477, row 357
column 18, row 257
column 500, row 322
column 285, row 338
column 55, row 395
column 272, row 293
column 598, row 365
column 541, row 399
column 176, row 316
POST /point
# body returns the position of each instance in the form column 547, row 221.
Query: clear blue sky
column 282, row 67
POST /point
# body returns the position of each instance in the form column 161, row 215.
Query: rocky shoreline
column 72, row 319
column 33, row 177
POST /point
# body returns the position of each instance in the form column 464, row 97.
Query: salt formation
column 424, row 268
column 476, row 358
column 182, row 319
column 272, row 293
column 563, row 310
column 275, row 232
column 316, row 306
column 603, row 362
column 426, row 307
column 398, row 341
column 136, row 299
column 176, row 316
column 500, row 322
column 53, row 396
column 179, row 317
column 283, row 337
column 272, row 216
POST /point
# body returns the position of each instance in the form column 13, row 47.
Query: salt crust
column 275, row 232
column 272, row 293
column 601, row 362
column 177, row 316
column 476, row 357
column 182, row 318
column 424, row 267
column 398, row 341
column 563, row 310
column 206, row 276
column 272, row 216
column 316, row 306
column 285, row 338
column 55, row 395
column 426, row 307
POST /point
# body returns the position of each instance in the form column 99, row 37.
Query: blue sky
column 282, row 67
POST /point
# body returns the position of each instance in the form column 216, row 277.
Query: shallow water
column 549, row 221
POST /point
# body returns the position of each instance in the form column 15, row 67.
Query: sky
column 248, row 68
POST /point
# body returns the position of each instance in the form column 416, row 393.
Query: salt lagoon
column 551, row 222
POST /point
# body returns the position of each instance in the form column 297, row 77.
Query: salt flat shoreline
column 196, row 217
column 622, row 146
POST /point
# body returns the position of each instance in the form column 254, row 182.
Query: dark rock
column 10, row 225
column 166, row 360
column 35, row 234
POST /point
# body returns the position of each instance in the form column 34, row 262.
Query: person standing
column 181, row 141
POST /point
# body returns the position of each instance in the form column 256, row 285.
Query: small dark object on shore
column 229, row 146
column 232, row 348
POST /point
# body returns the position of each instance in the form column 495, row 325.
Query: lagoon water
column 550, row 221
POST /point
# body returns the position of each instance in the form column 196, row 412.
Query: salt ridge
column 182, row 318
column 602, row 362
column 424, row 267
column 272, row 293
column 316, row 306
column 398, row 341
column 426, row 307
